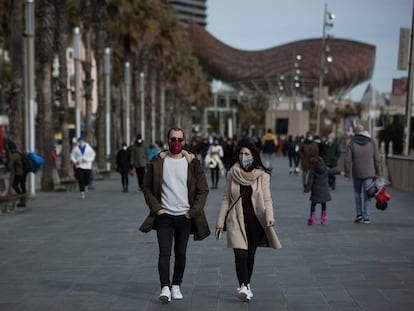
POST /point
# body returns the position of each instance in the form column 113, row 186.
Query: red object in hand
column 382, row 199
column 382, row 195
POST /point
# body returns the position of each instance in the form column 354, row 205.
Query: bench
column 68, row 182
column 9, row 202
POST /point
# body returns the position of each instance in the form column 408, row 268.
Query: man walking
column 16, row 168
column 269, row 147
column 139, row 159
column 362, row 154
column 175, row 189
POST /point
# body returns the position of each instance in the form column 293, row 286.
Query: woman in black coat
column 319, row 187
column 123, row 165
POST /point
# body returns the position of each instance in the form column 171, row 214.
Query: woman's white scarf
column 244, row 178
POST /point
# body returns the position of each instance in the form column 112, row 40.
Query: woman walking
column 247, row 211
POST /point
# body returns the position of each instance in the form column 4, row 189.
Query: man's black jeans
column 169, row 228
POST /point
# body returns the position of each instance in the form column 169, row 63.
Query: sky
column 260, row 24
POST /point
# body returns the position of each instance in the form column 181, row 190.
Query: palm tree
column 86, row 12
column 16, row 111
column 62, row 42
column 45, row 38
column 101, row 41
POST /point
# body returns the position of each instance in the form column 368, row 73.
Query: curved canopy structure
column 261, row 71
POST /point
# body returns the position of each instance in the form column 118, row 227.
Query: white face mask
column 245, row 160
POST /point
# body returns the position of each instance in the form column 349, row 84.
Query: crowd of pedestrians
column 175, row 186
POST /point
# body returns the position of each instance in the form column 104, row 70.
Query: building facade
column 194, row 9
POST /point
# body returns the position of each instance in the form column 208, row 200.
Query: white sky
column 261, row 24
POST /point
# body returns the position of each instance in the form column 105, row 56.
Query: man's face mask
column 309, row 138
column 176, row 144
column 245, row 160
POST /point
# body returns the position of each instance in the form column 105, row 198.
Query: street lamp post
column 294, row 84
column 30, row 88
column 278, row 99
column 127, row 101
column 142, row 89
column 77, row 63
column 324, row 58
column 409, row 98
column 107, row 73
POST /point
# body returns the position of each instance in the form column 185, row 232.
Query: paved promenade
column 63, row 253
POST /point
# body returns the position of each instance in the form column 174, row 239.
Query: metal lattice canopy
column 260, row 71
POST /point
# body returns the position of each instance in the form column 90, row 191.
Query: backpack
column 28, row 163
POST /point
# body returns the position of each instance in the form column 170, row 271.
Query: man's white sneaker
column 243, row 293
column 82, row 195
column 176, row 292
column 249, row 290
column 165, row 295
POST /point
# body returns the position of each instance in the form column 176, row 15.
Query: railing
column 401, row 172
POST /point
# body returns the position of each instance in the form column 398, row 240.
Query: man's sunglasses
column 180, row 139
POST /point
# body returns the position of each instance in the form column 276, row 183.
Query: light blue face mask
column 310, row 138
column 245, row 160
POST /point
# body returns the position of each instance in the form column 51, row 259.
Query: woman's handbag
column 227, row 214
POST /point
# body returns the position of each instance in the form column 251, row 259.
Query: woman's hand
column 187, row 215
column 218, row 232
column 271, row 223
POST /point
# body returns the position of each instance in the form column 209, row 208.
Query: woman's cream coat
column 263, row 208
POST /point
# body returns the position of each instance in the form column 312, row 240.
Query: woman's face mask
column 245, row 160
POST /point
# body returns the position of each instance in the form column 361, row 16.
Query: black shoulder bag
column 227, row 214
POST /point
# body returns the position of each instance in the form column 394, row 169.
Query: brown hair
column 316, row 160
column 175, row 129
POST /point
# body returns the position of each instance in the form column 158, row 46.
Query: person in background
column 269, row 147
column 82, row 156
column 214, row 155
column 318, row 186
column 203, row 148
column 15, row 166
column 152, row 151
column 363, row 157
column 289, row 148
column 123, row 165
column 331, row 153
column 307, row 150
column 139, row 159
column 175, row 190
column 296, row 156
column 247, row 212
column 229, row 154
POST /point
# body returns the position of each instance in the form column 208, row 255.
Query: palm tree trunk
column 88, row 85
column 100, row 42
column 46, row 39
column 16, row 111
column 62, row 43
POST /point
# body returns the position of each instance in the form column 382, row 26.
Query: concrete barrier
column 401, row 172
